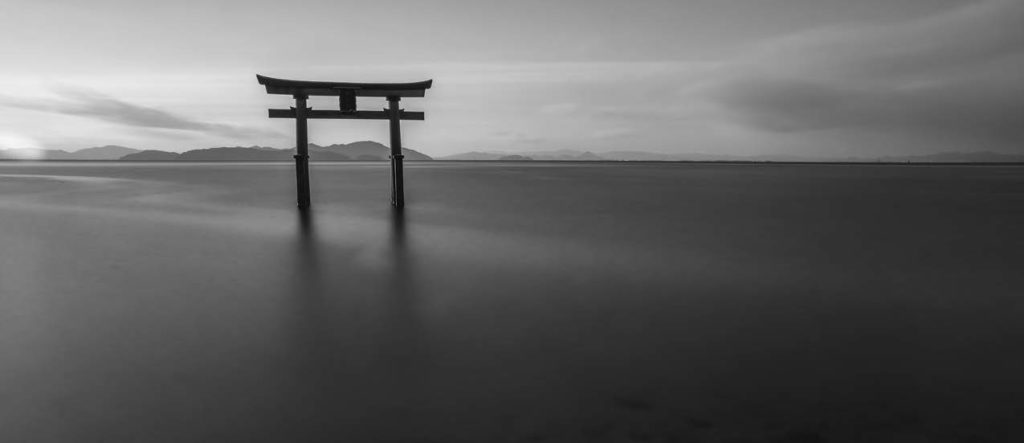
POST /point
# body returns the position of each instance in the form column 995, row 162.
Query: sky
column 822, row 78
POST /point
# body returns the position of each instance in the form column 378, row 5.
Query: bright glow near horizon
column 802, row 77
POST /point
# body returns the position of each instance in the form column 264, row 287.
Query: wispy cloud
column 91, row 104
column 952, row 77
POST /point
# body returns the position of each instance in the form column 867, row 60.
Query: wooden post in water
column 302, row 151
column 397, row 181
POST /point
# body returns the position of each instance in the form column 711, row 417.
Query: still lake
column 592, row 302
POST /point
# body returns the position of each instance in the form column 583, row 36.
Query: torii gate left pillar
column 346, row 93
column 397, row 179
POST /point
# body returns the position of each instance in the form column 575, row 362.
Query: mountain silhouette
column 373, row 151
column 358, row 151
column 109, row 152
column 559, row 155
column 514, row 158
column 573, row 155
column 235, row 153
column 365, row 151
column 151, row 155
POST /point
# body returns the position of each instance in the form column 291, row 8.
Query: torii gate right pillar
column 397, row 181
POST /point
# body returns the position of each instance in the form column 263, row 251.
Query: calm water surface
column 511, row 302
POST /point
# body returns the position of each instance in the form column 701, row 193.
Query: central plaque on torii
column 347, row 93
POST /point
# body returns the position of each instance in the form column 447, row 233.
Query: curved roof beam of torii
column 301, row 87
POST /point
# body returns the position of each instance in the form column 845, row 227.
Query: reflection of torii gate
column 346, row 93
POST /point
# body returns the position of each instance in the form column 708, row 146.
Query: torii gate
column 346, row 93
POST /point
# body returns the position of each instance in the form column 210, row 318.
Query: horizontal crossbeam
column 360, row 115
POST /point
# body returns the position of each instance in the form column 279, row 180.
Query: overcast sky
column 830, row 78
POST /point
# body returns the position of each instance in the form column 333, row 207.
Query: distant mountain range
column 559, row 155
column 373, row 151
column 572, row 155
column 109, row 152
column 358, row 151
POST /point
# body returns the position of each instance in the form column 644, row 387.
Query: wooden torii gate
column 346, row 93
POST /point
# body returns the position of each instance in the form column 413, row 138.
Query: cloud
column 91, row 104
column 951, row 76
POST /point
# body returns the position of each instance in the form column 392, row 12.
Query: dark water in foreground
column 511, row 302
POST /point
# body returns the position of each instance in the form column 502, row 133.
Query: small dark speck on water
column 633, row 403
column 802, row 436
column 700, row 423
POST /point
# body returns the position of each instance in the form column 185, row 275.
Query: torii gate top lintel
column 303, row 87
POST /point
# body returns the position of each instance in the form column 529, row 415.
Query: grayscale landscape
column 529, row 221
